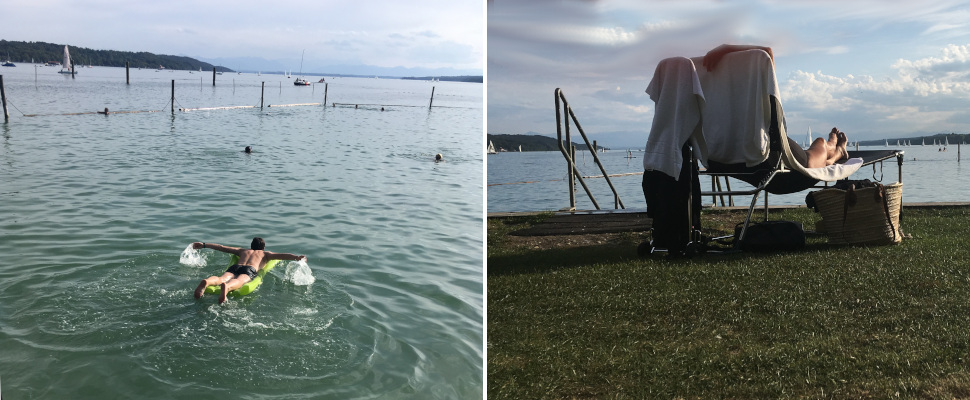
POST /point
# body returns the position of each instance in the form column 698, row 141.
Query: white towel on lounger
column 738, row 109
column 679, row 103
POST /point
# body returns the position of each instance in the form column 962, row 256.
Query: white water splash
column 192, row 257
column 299, row 273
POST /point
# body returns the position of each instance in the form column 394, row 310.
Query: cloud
column 928, row 93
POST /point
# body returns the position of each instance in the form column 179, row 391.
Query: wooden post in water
column 213, row 76
column 325, row 87
column 173, row 96
column 73, row 71
column 262, row 94
column 3, row 98
column 432, row 98
column 127, row 74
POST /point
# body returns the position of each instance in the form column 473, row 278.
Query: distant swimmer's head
column 258, row 244
column 438, row 157
column 249, row 149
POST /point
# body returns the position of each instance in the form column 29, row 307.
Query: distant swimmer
column 382, row 108
column 438, row 158
column 249, row 149
column 105, row 112
column 250, row 262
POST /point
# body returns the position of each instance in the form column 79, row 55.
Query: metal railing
column 563, row 110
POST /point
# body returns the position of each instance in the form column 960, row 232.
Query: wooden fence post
column 3, row 98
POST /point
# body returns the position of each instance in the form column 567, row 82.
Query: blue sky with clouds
column 875, row 69
column 422, row 34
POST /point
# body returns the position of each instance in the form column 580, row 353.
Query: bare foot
column 223, row 293
column 842, row 142
column 833, row 141
column 200, row 289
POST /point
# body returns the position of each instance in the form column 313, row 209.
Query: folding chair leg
column 747, row 220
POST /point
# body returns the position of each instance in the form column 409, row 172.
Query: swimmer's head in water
column 249, row 149
column 258, row 244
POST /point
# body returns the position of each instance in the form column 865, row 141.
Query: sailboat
column 520, row 148
column 300, row 81
column 924, row 142
column 66, row 64
column 491, row 148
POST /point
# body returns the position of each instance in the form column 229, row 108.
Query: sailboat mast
column 301, row 62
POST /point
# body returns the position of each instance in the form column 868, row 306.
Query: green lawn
column 828, row 321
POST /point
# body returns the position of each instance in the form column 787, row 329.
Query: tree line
column 42, row 52
column 528, row 143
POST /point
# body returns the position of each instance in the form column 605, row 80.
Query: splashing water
column 299, row 273
column 192, row 257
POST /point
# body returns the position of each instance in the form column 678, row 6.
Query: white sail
column 946, row 142
column 520, row 148
column 924, row 142
column 66, row 63
column 491, row 148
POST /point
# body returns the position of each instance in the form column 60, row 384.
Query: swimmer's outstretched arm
column 283, row 256
column 216, row 247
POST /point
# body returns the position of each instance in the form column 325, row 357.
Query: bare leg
column 231, row 285
column 823, row 153
column 211, row 281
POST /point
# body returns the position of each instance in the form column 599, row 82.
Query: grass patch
column 593, row 320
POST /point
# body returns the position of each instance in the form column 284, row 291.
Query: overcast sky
column 425, row 33
column 875, row 69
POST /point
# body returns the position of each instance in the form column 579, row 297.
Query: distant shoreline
column 43, row 52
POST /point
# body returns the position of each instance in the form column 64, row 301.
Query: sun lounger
column 734, row 125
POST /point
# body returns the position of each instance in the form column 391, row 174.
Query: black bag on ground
column 772, row 236
column 674, row 205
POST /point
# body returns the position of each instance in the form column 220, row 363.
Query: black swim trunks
column 237, row 270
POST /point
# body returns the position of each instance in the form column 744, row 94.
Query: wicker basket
column 866, row 221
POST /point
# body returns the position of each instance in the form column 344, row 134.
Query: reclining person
column 821, row 153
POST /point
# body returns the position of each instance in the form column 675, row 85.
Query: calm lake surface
column 536, row 181
column 95, row 212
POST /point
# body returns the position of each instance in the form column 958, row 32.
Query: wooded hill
column 41, row 52
column 528, row 143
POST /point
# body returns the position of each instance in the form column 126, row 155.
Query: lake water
column 95, row 212
column 536, row 181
